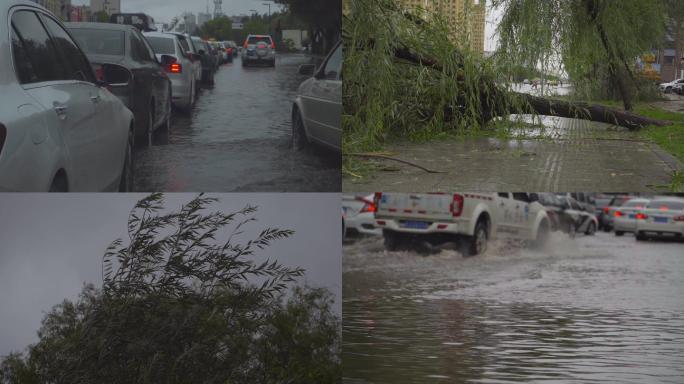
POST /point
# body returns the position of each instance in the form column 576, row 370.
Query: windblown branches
column 179, row 253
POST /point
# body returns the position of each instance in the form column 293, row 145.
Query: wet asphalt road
column 238, row 138
column 593, row 309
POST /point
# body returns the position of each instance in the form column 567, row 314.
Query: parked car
column 624, row 218
column 258, row 49
column 601, row 203
column 317, row 109
column 662, row 217
column 228, row 50
column 554, row 209
column 609, row 211
column 60, row 128
column 678, row 89
column 667, row 87
column 193, row 53
column 575, row 218
column 359, row 212
column 469, row 220
column 142, row 84
column 209, row 60
column 179, row 70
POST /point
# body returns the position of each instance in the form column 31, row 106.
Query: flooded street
column 238, row 138
column 593, row 309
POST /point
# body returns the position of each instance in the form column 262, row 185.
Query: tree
column 179, row 306
column 402, row 77
column 220, row 29
column 323, row 17
column 583, row 35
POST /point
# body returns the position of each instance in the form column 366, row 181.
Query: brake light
column 3, row 136
column 456, row 206
column 272, row 45
column 641, row 216
column 676, row 218
column 380, row 222
column 618, row 214
column 606, row 210
column 663, row 208
column 369, row 206
column 176, row 68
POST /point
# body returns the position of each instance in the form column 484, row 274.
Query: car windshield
column 602, row 202
column 258, row 39
column 667, row 205
column 100, row 41
column 162, row 45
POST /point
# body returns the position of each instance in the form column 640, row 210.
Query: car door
column 110, row 155
column 323, row 104
column 143, row 78
column 57, row 88
column 504, row 214
column 160, row 80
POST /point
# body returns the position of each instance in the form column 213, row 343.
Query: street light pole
column 269, row 9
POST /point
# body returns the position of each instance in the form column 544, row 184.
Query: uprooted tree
column 178, row 305
column 404, row 75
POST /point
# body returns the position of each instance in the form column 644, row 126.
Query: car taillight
column 273, row 45
column 456, row 206
column 618, row 214
column 3, row 136
column 369, row 206
column 376, row 200
column 606, row 210
column 664, row 208
column 641, row 216
column 176, row 68
column 676, row 218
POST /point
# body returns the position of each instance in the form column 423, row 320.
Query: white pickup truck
column 468, row 219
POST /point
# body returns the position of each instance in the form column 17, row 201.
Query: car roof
column 161, row 34
column 102, row 26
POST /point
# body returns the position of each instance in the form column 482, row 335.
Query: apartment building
column 108, row 6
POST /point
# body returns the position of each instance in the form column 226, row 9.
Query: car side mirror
column 307, row 69
column 167, row 60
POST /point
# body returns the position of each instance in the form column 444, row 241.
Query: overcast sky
column 164, row 10
column 51, row 244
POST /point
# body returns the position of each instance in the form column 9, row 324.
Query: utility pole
column 269, row 9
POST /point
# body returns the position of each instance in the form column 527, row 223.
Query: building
column 80, row 13
column 203, row 18
column 670, row 59
column 108, row 6
column 466, row 18
column 53, row 6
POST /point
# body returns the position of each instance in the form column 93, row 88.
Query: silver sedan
column 60, row 129
column 317, row 110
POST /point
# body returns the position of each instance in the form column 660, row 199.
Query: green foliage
column 385, row 97
column 220, row 29
column 180, row 306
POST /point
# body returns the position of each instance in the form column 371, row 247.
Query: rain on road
column 238, row 138
column 592, row 309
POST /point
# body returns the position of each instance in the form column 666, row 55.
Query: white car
column 662, row 217
column 181, row 72
column 624, row 217
column 60, row 129
column 317, row 109
column 359, row 212
column 259, row 49
column 468, row 219
column 667, row 87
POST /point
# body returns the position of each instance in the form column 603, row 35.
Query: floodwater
column 593, row 309
column 238, row 138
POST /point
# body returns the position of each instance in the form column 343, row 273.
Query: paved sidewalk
column 567, row 155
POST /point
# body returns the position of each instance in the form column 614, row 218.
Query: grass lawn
column 670, row 138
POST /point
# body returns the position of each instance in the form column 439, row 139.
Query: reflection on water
column 516, row 316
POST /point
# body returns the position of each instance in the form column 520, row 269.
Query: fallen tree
column 403, row 78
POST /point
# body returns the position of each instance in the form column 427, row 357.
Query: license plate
column 416, row 224
column 660, row 219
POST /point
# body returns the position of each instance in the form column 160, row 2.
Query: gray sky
column 51, row 244
column 165, row 10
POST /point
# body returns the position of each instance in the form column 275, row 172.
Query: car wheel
column 299, row 139
column 641, row 237
column 619, row 233
column 591, row 230
column 392, row 240
column 126, row 181
column 476, row 244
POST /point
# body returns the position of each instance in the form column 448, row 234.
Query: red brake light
column 3, row 136
column 618, row 214
column 369, row 206
column 456, row 206
column 272, row 45
column 663, row 208
column 641, row 216
column 676, row 218
column 176, row 68
column 606, row 210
